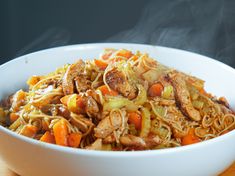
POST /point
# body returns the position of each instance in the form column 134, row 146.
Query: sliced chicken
column 68, row 79
column 183, row 97
column 82, row 84
column 140, row 143
column 118, row 81
column 132, row 141
column 91, row 107
column 6, row 103
column 109, row 124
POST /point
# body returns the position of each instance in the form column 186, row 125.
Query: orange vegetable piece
column 155, row 90
column 133, row 58
column 74, row 139
column 29, row 131
column 64, row 99
column 106, row 91
column 203, row 92
column 48, row 137
column 136, row 119
column 190, row 138
column 33, row 80
column 60, row 130
column 74, row 102
column 101, row 64
column 124, row 53
column 13, row 117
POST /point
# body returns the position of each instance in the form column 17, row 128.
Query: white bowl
column 31, row 157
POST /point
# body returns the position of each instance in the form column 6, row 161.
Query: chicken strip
column 182, row 97
column 91, row 107
column 68, row 79
column 114, row 121
column 118, row 81
column 140, row 143
column 82, row 84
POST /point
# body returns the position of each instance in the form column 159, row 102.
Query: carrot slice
column 203, row 92
column 60, row 130
column 64, row 99
column 133, row 58
column 190, row 138
column 106, row 91
column 29, row 131
column 124, row 53
column 74, row 139
column 13, row 117
column 48, row 137
column 33, row 80
column 101, row 64
column 136, row 119
column 155, row 90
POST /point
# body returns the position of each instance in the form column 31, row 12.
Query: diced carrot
column 101, row 64
column 133, row 58
column 155, row 90
column 203, row 92
column 190, row 138
column 22, row 95
column 13, row 117
column 136, row 119
column 74, row 102
column 29, row 131
column 48, row 137
column 60, row 130
column 33, row 80
column 124, row 53
column 106, row 91
column 74, row 139
column 64, row 99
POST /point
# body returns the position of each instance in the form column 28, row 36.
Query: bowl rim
column 78, row 151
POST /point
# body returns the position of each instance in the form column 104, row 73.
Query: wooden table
column 4, row 171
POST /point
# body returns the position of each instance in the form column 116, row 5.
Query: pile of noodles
column 162, row 115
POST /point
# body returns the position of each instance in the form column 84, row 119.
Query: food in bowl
column 122, row 101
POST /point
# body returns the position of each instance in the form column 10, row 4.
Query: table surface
column 4, row 171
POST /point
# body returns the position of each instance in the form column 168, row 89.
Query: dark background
column 202, row 26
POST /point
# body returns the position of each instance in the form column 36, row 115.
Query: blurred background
column 203, row 26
